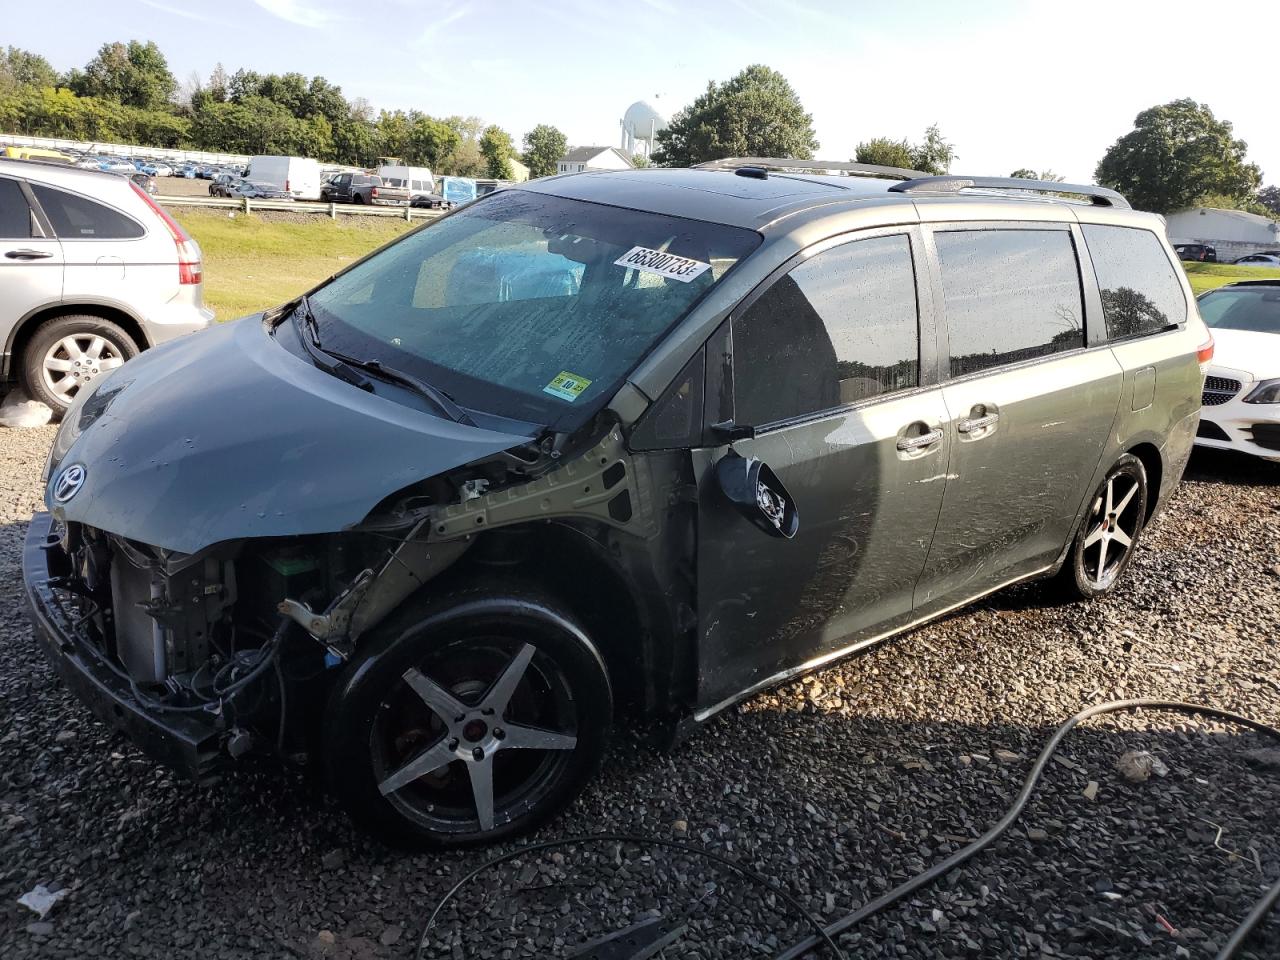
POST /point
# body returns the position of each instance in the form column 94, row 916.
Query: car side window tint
column 78, row 218
column 841, row 327
column 1140, row 291
column 1011, row 295
column 15, row 215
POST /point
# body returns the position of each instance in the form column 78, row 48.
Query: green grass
column 1206, row 276
column 251, row 263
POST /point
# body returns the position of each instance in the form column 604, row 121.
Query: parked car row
column 228, row 185
column 1207, row 253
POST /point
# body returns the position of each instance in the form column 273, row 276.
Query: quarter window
column 15, row 215
column 839, row 328
column 1140, row 291
column 78, row 218
column 1011, row 295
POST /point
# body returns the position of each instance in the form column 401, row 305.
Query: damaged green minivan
column 606, row 446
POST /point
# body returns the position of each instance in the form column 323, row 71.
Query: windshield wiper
column 309, row 334
column 445, row 403
column 347, row 368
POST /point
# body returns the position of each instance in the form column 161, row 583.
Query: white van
column 298, row 175
column 417, row 180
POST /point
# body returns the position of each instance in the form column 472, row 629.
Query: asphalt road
column 839, row 786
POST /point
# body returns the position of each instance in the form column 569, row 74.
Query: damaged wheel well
column 1153, row 465
column 575, row 566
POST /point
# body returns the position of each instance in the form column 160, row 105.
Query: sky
column 1044, row 85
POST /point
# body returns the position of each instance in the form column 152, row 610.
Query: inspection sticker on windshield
column 663, row 264
column 567, row 386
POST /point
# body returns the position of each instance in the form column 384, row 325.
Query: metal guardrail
column 120, row 149
column 332, row 210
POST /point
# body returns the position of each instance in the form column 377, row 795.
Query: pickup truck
column 362, row 188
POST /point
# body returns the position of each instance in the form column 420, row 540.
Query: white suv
column 92, row 271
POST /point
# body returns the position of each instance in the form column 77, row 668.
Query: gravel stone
column 837, row 789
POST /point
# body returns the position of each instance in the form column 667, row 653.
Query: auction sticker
column 663, row 264
column 567, row 386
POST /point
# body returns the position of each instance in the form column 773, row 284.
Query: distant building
column 519, row 172
column 581, row 159
column 1233, row 233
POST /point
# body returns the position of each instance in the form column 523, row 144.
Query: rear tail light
column 373, row 192
column 190, row 270
column 1205, row 353
column 286, row 186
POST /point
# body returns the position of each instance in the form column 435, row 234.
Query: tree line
column 127, row 93
column 1178, row 154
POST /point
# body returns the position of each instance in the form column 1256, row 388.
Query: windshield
column 525, row 305
column 1243, row 308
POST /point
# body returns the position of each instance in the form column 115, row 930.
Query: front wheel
column 1104, row 545
column 68, row 353
column 479, row 720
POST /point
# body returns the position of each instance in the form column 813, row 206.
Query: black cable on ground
column 1255, row 917
column 960, row 856
column 826, row 935
column 819, row 936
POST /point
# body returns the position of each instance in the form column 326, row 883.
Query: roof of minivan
column 722, row 196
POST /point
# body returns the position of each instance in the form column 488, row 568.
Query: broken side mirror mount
column 727, row 431
column 756, row 492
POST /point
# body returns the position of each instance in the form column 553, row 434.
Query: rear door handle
column 924, row 440
column 28, row 254
column 973, row 424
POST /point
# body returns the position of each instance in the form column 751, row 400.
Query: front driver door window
column 826, row 364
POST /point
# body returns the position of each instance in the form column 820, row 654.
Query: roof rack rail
column 783, row 164
column 1099, row 196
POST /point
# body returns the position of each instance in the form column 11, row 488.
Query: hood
column 225, row 434
column 1248, row 351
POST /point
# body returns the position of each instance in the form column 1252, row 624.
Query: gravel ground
column 839, row 786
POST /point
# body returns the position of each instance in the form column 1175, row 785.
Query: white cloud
column 179, row 11
column 300, row 12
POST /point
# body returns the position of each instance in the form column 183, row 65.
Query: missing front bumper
column 189, row 743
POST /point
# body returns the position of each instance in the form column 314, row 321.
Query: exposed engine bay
column 242, row 636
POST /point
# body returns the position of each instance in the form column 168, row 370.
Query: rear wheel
column 69, row 353
column 482, row 719
column 1104, row 545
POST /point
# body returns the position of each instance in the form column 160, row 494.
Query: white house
column 1233, row 233
column 581, row 159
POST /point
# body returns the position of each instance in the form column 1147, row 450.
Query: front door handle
column 974, row 424
column 924, row 440
column 28, row 254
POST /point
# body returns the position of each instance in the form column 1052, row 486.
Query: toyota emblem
column 69, row 482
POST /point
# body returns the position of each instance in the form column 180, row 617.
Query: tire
column 466, row 653
column 358, row 198
column 82, row 347
column 1099, row 556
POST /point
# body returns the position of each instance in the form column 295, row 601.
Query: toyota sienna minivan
column 607, row 445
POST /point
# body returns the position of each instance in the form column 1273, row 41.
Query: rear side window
column 1140, row 291
column 15, row 215
column 839, row 328
column 1011, row 295
column 79, row 218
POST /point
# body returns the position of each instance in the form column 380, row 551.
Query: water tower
column 640, row 126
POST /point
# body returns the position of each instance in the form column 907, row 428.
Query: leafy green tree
column 243, row 83
column 1269, row 197
column 544, row 145
column 134, row 74
column 431, row 141
column 885, row 153
column 1026, row 173
column 756, row 113
column 1177, row 153
column 21, row 68
column 497, row 149
column 934, row 155
column 640, row 161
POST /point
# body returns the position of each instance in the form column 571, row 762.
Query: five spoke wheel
column 1112, row 528
column 474, row 733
